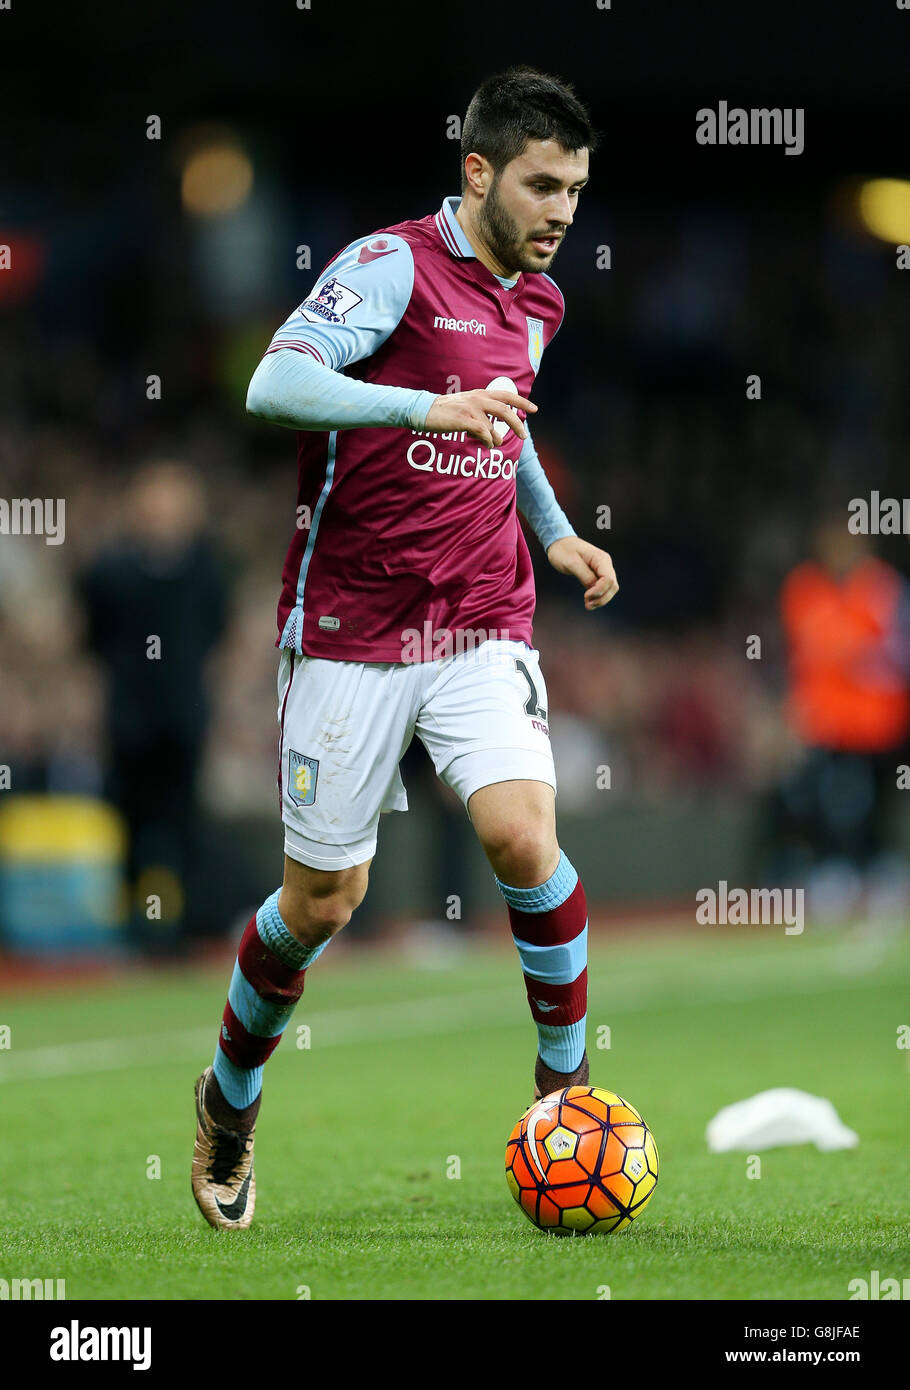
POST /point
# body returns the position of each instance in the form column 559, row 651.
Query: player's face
column 531, row 204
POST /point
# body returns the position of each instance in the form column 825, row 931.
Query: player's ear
column 478, row 173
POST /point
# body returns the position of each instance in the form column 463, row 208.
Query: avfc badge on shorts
column 535, row 342
column 302, row 773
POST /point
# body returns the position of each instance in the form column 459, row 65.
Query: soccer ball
column 581, row 1162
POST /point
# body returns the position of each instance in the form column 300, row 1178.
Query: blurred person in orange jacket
column 845, row 622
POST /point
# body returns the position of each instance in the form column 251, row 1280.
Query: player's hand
column 591, row 567
column 470, row 411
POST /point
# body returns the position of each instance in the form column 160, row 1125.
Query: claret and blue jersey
column 409, row 527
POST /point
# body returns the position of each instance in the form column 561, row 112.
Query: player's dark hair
column 519, row 105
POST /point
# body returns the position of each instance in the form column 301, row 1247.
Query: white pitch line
column 449, row 1013
column 331, row 1028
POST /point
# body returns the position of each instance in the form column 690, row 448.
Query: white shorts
column 345, row 725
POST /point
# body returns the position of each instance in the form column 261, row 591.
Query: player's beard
column 503, row 235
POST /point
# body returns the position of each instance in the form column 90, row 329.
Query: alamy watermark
column 78, row 1343
column 878, row 516
column 757, row 125
column 751, row 907
column 34, row 516
column 437, row 644
column 875, row 1287
column 28, row 1290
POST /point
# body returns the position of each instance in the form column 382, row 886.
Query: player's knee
column 315, row 914
column 523, row 852
column 313, row 920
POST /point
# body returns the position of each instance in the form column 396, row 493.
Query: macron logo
column 461, row 325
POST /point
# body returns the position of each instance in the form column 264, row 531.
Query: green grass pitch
column 411, row 1067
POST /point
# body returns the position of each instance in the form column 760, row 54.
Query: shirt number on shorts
column 533, row 707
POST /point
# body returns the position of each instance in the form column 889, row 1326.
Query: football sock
column 550, row 929
column 265, row 987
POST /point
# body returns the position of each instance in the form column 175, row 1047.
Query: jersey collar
column 455, row 240
column 451, row 230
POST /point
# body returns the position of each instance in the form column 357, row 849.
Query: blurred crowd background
column 175, row 259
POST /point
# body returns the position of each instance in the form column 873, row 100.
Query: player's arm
column 590, row 565
column 566, row 551
column 293, row 389
column 537, row 500
column 357, row 303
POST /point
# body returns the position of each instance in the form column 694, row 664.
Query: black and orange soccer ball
column 581, row 1162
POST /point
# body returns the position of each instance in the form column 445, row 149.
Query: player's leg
column 341, row 728
column 484, row 724
column 280, row 943
column 515, row 822
column 287, row 934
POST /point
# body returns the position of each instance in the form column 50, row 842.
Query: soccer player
column 408, row 590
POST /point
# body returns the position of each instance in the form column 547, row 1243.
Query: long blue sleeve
column 355, row 306
column 292, row 388
column 537, row 500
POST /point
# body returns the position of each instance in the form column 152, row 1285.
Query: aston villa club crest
column 302, row 774
column 535, row 342
column 331, row 303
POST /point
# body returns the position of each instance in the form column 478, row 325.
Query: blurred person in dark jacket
column 156, row 604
